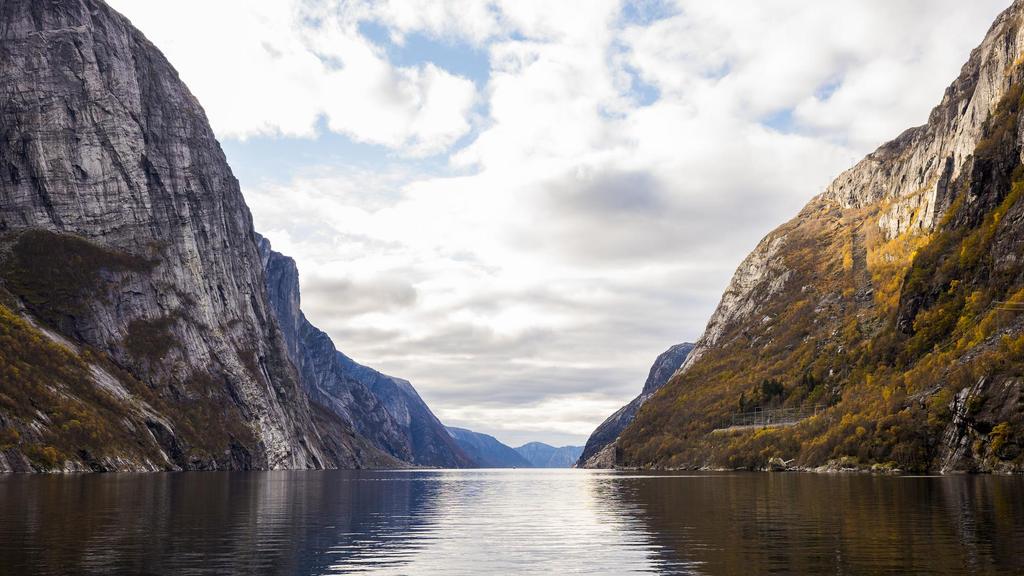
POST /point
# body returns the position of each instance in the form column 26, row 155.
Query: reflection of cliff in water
column 809, row 524
column 987, row 516
column 615, row 496
column 223, row 523
column 348, row 517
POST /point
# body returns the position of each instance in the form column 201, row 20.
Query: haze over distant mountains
column 486, row 450
column 543, row 455
column 489, row 452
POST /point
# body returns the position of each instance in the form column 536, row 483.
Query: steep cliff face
column 385, row 410
column 599, row 450
column 892, row 299
column 486, row 450
column 125, row 243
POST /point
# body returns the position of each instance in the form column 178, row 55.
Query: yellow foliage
column 848, row 259
column 887, row 263
column 1014, row 346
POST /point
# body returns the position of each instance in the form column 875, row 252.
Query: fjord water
column 509, row 522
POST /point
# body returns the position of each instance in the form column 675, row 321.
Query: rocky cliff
column 385, row 410
column 600, row 447
column 892, row 301
column 133, row 308
column 486, row 450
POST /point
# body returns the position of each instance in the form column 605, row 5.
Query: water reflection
column 817, row 524
column 508, row 522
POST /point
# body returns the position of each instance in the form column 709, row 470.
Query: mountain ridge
column 541, row 455
column 882, row 301
column 486, row 450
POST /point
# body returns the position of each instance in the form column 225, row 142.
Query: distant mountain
column 385, row 410
column 541, row 455
column 597, row 452
column 486, row 450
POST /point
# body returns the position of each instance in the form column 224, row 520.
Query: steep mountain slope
column 385, row 410
column 132, row 299
column 894, row 299
column 487, row 451
column 541, row 455
column 599, row 451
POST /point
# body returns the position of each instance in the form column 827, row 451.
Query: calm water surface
column 509, row 522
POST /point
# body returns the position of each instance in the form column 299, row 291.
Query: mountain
column 599, row 451
column 385, row 410
column 541, row 455
column 135, row 326
column 486, row 451
column 890, row 306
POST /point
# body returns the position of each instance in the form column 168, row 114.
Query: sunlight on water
column 509, row 522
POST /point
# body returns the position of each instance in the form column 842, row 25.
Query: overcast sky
column 518, row 204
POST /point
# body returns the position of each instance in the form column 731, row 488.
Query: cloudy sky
column 518, row 204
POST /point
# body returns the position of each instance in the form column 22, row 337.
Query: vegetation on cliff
column 52, row 410
column 55, row 275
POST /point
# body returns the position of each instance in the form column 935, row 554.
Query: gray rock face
column 385, row 410
column 160, row 287
column 603, row 438
column 486, row 450
column 541, row 455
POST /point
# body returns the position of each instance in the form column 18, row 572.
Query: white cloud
column 275, row 67
column 471, row 20
column 615, row 173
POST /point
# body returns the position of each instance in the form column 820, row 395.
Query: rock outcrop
column 132, row 296
column 541, row 455
column 385, row 410
column 602, row 440
column 487, row 451
column 889, row 297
